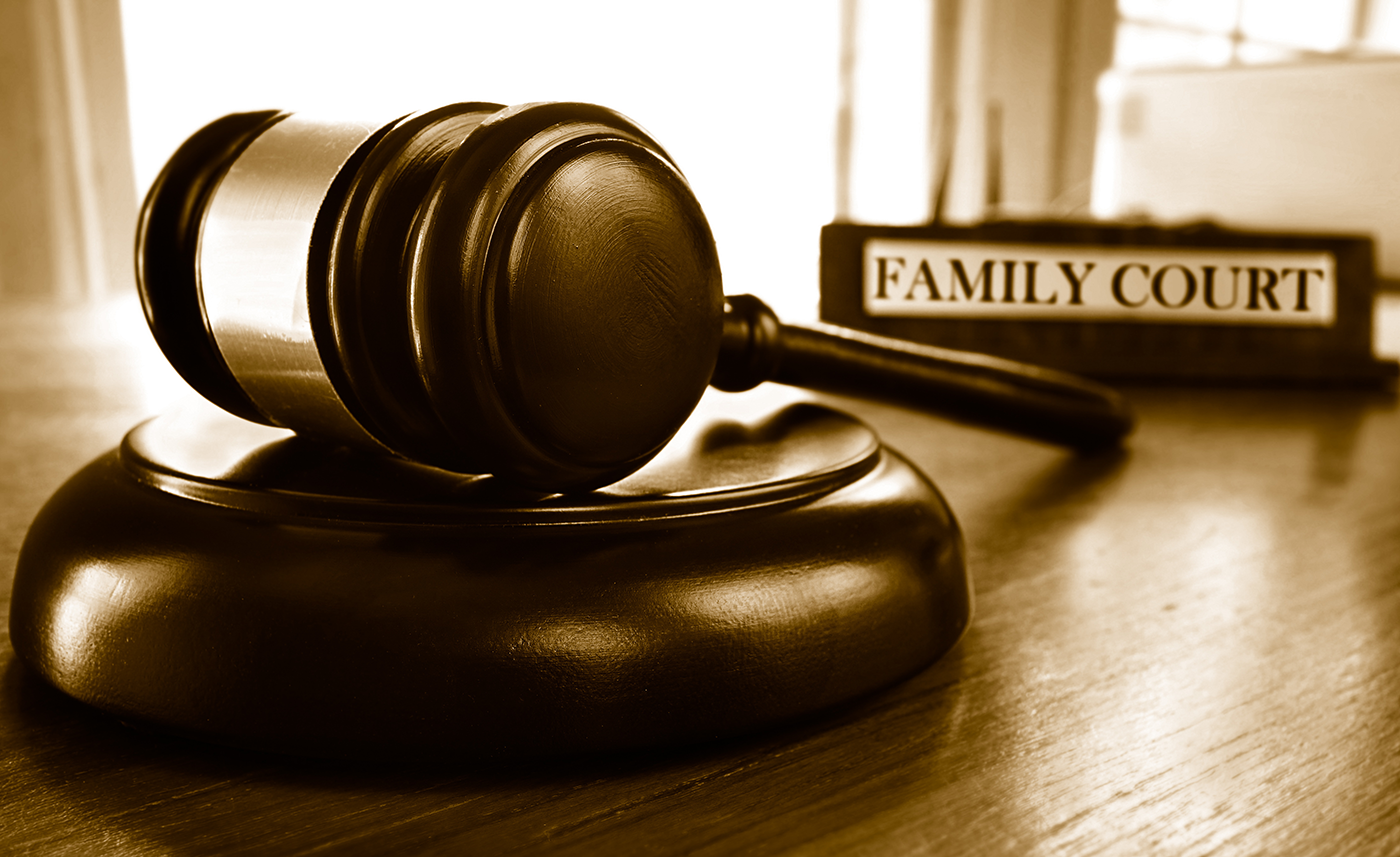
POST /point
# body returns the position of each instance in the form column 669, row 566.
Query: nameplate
column 1117, row 301
column 1050, row 282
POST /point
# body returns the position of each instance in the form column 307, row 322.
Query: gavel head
column 531, row 292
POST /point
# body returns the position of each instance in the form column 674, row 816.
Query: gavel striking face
column 531, row 292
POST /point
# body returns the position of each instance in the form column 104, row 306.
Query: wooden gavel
column 531, row 292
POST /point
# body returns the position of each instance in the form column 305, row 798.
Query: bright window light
column 742, row 93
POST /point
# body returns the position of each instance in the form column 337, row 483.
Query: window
column 741, row 94
column 1166, row 33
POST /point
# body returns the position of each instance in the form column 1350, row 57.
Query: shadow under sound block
column 238, row 584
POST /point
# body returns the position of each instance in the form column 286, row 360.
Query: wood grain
column 1189, row 648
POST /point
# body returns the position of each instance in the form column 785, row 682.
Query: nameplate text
column 1068, row 282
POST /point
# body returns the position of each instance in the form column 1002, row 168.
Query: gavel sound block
column 456, row 500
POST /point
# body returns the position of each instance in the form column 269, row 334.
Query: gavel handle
column 1040, row 403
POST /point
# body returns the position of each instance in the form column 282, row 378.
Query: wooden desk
column 1191, row 648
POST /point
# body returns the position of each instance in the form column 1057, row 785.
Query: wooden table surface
column 1189, row 648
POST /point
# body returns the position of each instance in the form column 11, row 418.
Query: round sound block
column 235, row 583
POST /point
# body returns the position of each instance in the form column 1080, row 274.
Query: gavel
column 531, row 292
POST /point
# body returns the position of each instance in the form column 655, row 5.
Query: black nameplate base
column 1116, row 302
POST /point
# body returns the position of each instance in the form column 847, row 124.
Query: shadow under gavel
column 531, row 292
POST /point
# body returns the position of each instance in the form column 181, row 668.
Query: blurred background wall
column 66, row 185
column 784, row 114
